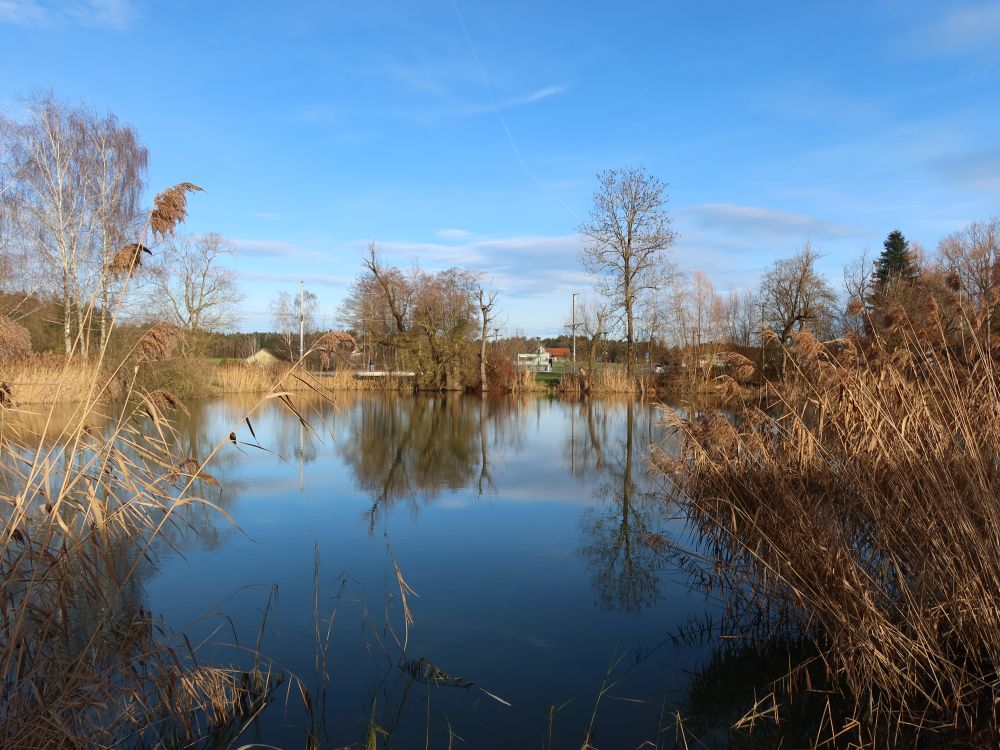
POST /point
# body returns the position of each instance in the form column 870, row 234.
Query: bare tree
column 192, row 286
column 378, row 308
column 741, row 317
column 794, row 296
column 594, row 320
column 7, row 203
column 695, row 318
column 487, row 300
column 79, row 178
column 287, row 310
column 443, row 319
column 628, row 231
column 972, row 258
column 395, row 290
column 54, row 195
column 117, row 176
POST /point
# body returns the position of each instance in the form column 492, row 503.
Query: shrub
column 15, row 341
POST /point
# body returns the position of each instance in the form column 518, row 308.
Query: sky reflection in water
column 534, row 537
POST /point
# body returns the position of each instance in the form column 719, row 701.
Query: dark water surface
column 540, row 551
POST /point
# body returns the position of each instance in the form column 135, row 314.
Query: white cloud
column 764, row 223
column 111, row 14
column 268, row 248
column 453, row 234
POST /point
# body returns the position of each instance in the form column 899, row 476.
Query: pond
column 543, row 571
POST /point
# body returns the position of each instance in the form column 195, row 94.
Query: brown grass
column 161, row 341
column 242, row 378
column 49, row 379
column 601, row 380
column 170, row 208
column 15, row 341
column 127, row 258
column 862, row 499
column 84, row 664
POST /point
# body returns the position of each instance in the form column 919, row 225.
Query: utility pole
column 302, row 318
column 574, row 327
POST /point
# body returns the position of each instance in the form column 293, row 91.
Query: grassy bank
column 47, row 379
column 859, row 503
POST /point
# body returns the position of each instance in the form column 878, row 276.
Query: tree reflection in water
column 626, row 547
column 414, row 449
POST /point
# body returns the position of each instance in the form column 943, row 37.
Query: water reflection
column 532, row 529
column 412, row 450
column 625, row 542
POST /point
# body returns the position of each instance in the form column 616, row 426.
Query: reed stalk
column 861, row 497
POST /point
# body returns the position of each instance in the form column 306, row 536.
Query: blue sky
column 469, row 133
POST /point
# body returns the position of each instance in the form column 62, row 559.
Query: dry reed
column 157, row 403
column 15, row 341
column 83, row 664
column 84, row 496
column 49, row 379
column 161, row 341
column 862, row 498
column 127, row 258
column 170, row 208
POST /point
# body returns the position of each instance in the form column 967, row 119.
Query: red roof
column 557, row 351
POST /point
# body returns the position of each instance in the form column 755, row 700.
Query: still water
column 545, row 564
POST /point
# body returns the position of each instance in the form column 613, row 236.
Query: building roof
column 264, row 357
column 557, row 351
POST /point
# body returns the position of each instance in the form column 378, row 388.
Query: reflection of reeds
column 864, row 499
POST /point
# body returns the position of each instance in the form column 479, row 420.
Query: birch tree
column 118, row 163
column 54, row 197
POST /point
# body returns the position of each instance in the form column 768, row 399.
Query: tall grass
column 607, row 379
column 84, row 496
column 49, row 379
column 862, row 499
column 83, row 664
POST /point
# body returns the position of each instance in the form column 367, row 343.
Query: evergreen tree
column 895, row 262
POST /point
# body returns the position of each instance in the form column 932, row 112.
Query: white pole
column 574, row 327
column 302, row 317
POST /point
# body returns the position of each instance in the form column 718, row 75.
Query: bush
column 15, row 341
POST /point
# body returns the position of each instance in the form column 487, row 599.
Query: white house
column 539, row 361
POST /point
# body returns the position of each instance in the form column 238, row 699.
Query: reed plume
column 157, row 402
column 170, row 208
column 160, row 342
column 127, row 258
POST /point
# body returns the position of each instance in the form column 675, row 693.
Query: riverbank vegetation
column 857, row 508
